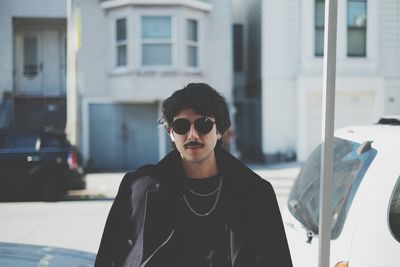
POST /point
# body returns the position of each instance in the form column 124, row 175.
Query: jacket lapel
column 162, row 204
column 239, row 200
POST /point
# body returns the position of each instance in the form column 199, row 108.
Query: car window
column 351, row 161
column 394, row 212
column 20, row 141
column 53, row 141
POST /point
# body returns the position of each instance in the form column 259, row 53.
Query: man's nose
column 193, row 134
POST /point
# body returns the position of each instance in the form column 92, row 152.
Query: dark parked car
column 39, row 165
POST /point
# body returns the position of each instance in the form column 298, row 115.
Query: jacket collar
column 169, row 172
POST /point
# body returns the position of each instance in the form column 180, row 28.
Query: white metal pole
column 328, row 118
column 71, row 127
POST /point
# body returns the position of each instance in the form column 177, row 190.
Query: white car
column 366, row 200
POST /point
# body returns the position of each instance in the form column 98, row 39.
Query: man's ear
column 219, row 135
column 171, row 135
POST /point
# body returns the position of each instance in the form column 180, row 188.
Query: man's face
column 194, row 146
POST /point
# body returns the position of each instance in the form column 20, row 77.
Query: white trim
column 195, row 4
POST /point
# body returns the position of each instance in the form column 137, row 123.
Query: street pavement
column 78, row 221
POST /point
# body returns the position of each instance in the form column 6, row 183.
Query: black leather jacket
column 143, row 214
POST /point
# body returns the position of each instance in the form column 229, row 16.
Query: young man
column 199, row 206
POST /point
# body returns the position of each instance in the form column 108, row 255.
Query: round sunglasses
column 202, row 125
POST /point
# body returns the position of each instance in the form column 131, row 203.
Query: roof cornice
column 195, row 4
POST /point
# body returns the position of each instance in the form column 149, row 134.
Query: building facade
column 33, row 64
column 124, row 58
column 133, row 54
column 367, row 75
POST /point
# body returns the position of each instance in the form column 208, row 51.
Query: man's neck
column 200, row 170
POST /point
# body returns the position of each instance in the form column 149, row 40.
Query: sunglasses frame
column 195, row 124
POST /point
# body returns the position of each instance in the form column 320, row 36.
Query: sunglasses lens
column 203, row 125
column 181, row 126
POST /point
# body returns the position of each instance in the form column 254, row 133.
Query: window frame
column 37, row 38
column 189, row 43
column 172, row 41
column 116, row 43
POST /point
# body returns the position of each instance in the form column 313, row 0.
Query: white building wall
column 389, row 53
column 280, row 66
column 10, row 9
column 366, row 87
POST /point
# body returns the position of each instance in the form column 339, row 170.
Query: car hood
column 23, row 255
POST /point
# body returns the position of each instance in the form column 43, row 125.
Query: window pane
column 192, row 56
column 121, row 29
column 319, row 27
column 394, row 213
column 238, row 47
column 121, row 55
column 192, row 30
column 30, row 55
column 156, row 27
column 356, row 42
column 356, row 28
column 349, row 169
column 157, row 55
column 319, row 42
column 319, row 13
column 357, row 13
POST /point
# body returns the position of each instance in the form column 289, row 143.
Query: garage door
column 122, row 136
column 350, row 108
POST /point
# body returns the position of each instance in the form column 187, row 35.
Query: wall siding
column 281, row 53
column 389, row 53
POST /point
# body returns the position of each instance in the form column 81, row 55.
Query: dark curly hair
column 202, row 99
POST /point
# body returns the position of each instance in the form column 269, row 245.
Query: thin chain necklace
column 209, row 194
column 206, row 194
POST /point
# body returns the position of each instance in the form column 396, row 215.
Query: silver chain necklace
column 209, row 194
column 206, row 194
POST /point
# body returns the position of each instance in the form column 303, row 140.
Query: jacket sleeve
column 276, row 232
column 111, row 244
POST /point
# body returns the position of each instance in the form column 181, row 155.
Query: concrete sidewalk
column 105, row 185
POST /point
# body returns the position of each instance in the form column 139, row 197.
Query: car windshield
column 351, row 160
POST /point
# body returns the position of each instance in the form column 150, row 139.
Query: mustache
column 193, row 143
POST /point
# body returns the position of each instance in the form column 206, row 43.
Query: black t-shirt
column 202, row 241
